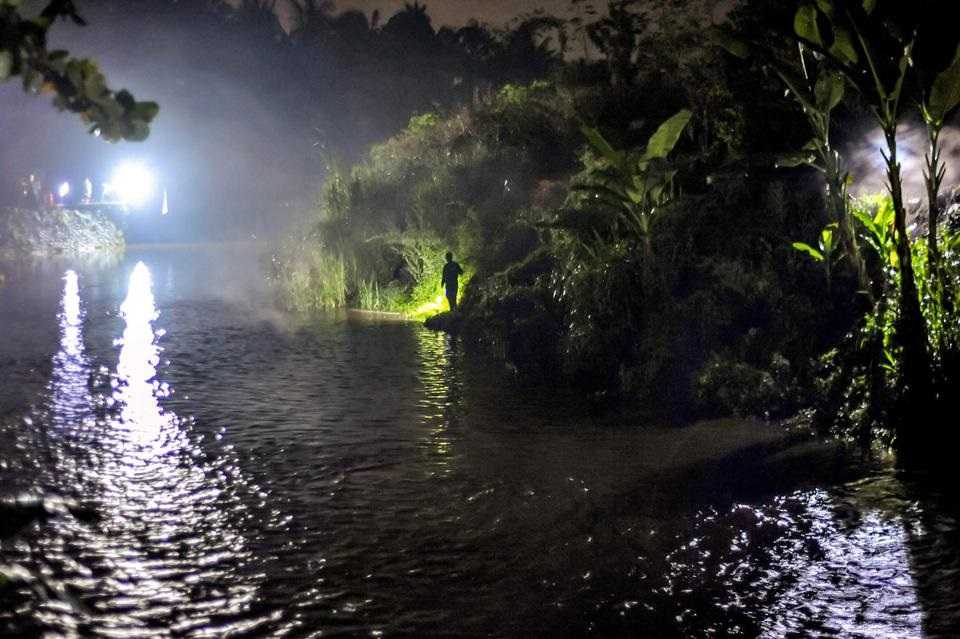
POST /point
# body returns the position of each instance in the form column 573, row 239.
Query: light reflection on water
column 367, row 479
column 165, row 540
column 835, row 562
column 854, row 578
column 136, row 391
column 441, row 379
column 68, row 385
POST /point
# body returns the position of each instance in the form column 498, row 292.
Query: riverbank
column 41, row 233
column 567, row 287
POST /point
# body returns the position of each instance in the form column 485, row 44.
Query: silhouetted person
column 451, row 280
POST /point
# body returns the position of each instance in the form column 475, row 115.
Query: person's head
column 449, row 256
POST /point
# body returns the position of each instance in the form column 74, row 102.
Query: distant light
column 64, row 190
column 132, row 183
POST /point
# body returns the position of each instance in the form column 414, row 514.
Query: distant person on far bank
column 36, row 190
column 451, row 280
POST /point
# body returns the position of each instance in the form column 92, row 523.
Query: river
column 213, row 467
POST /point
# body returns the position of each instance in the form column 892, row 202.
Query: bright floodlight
column 132, row 183
column 64, row 190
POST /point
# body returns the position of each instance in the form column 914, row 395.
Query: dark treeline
column 346, row 78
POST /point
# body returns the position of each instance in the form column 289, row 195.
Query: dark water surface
column 214, row 468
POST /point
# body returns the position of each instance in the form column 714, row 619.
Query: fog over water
column 250, row 121
column 219, row 143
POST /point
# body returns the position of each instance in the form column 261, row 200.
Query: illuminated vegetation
column 463, row 183
column 676, row 231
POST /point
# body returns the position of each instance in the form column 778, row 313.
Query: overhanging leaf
column 828, row 90
column 667, row 134
column 945, row 92
column 805, row 24
column 146, row 111
column 809, row 250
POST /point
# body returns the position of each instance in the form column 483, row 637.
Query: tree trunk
column 933, row 204
column 911, row 331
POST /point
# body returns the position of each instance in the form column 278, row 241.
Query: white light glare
column 64, row 190
column 132, row 183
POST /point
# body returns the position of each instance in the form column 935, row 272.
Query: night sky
column 458, row 12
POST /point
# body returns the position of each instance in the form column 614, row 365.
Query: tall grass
column 372, row 296
column 315, row 281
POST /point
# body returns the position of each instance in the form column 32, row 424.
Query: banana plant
column 819, row 90
column 826, row 248
column 855, row 40
column 637, row 184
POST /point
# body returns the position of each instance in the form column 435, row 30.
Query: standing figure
column 451, row 280
column 87, row 191
column 36, row 190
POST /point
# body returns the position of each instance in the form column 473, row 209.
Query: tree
column 77, row 84
column 616, row 36
column 818, row 89
column 860, row 41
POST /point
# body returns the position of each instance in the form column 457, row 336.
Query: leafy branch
column 77, row 84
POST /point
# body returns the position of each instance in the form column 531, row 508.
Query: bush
column 463, row 182
column 315, row 281
column 727, row 386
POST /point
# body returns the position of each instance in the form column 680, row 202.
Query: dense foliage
column 687, row 238
column 464, row 182
column 600, row 265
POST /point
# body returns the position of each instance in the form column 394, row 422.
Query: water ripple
column 196, row 466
